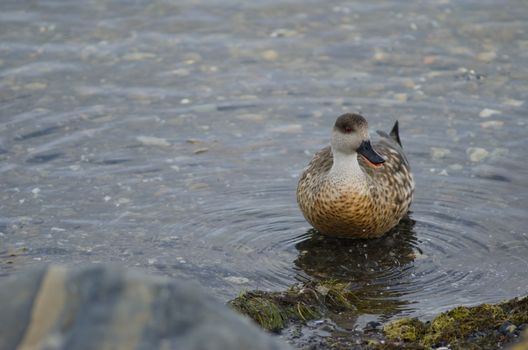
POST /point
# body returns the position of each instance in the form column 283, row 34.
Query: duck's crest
column 395, row 133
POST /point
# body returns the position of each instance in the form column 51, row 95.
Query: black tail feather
column 395, row 133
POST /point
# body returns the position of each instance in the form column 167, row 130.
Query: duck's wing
column 392, row 182
column 314, row 174
column 321, row 162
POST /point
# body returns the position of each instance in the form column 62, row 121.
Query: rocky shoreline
column 306, row 315
column 108, row 307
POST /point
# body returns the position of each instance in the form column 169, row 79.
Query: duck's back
column 388, row 198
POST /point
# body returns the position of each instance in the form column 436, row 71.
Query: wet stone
column 270, row 55
column 117, row 308
column 372, row 325
column 153, row 141
column 288, row 129
column 508, row 328
column 210, row 107
column 488, row 112
column 201, row 150
column 456, row 167
column 138, row 56
column 487, row 56
column 476, row 154
column 283, row 32
column 439, row 152
column 198, row 186
column 492, row 124
column 400, row 97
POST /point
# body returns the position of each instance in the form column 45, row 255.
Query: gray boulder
column 101, row 307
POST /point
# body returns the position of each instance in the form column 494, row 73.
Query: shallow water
column 169, row 136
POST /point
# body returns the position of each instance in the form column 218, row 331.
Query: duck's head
column 350, row 135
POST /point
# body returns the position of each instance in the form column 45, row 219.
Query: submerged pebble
column 201, row 150
column 400, row 97
column 487, row 56
column 492, row 124
column 476, row 154
column 507, row 328
column 283, row 32
column 138, row 56
column 439, row 152
column 198, row 186
column 488, row 112
column 153, row 141
column 236, row 280
column 288, row 128
column 270, row 55
column 456, row 167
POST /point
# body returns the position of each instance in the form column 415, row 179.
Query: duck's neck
column 346, row 168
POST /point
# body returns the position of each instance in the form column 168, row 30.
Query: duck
column 355, row 188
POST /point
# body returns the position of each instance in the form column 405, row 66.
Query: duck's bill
column 366, row 150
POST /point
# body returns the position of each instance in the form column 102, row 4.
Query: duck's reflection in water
column 378, row 270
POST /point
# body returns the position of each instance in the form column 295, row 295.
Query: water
column 169, row 136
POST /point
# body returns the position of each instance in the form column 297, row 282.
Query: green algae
column 457, row 324
column 274, row 310
column 405, row 329
column 476, row 327
column 264, row 311
column 314, row 299
column 462, row 327
column 518, row 308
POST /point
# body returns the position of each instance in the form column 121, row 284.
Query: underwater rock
column 487, row 56
column 274, row 311
column 508, row 328
column 270, row 55
column 439, row 152
column 476, row 154
column 492, row 124
column 100, row 307
column 139, row 56
column 153, row 141
column 488, row 112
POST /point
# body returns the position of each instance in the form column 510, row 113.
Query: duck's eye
column 348, row 129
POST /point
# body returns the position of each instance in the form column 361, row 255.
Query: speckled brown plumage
column 368, row 209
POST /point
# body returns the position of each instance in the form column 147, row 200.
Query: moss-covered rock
column 477, row 327
column 405, row 329
column 274, row 310
column 485, row 326
column 518, row 309
column 457, row 325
